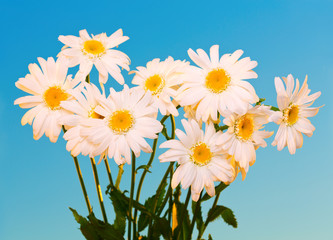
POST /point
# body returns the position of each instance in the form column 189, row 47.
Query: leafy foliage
column 149, row 205
column 180, row 208
column 198, row 220
column 120, row 209
column 226, row 213
column 94, row 229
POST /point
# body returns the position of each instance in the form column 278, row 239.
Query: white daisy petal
column 294, row 105
column 97, row 50
column 196, row 154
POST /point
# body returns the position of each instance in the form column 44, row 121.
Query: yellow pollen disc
column 154, row 84
column 201, row 154
column 244, row 127
column 121, row 121
column 93, row 47
column 53, row 96
column 291, row 114
column 217, row 80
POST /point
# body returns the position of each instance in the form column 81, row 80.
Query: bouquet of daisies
column 216, row 138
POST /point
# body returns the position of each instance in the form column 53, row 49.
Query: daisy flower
column 127, row 117
column 243, row 136
column 201, row 162
column 218, row 83
column 96, row 50
column 48, row 87
column 161, row 79
column 83, row 108
column 294, row 105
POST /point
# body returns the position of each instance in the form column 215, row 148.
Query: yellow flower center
column 121, row 121
column 93, row 114
column 244, row 127
column 217, row 80
column 290, row 115
column 154, row 84
column 93, row 47
column 201, row 154
column 53, row 96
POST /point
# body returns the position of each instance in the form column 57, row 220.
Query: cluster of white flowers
column 113, row 126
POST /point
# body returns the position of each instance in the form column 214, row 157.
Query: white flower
column 83, row 108
column 128, row 119
column 96, row 50
column 48, row 87
column 243, row 136
column 201, row 161
column 294, row 105
column 161, row 79
column 218, row 84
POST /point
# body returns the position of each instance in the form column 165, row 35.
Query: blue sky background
column 283, row 197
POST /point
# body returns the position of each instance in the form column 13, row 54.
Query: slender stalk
column 131, row 200
column 181, row 219
column 79, row 174
column 147, row 168
column 170, row 198
column 108, row 170
column 98, row 189
column 120, row 174
column 173, row 134
column 158, row 191
column 165, row 200
column 194, row 217
column 85, row 194
column 206, row 222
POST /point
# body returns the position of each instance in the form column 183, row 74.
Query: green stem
column 165, row 200
column 158, row 191
column 131, row 199
column 145, row 171
column 108, row 170
column 206, row 222
column 79, row 174
column 170, row 198
column 181, row 219
column 98, row 189
column 78, row 170
column 194, row 217
column 120, row 174
column 173, row 134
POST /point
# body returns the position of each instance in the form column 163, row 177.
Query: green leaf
column 210, row 237
column 214, row 213
column 219, row 188
column 120, row 209
column 229, row 217
column 86, row 228
column 275, row 108
column 161, row 227
column 226, row 213
column 105, row 230
column 198, row 220
column 145, row 167
column 144, row 217
column 186, row 221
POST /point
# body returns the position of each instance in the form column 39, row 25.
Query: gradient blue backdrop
column 283, row 196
